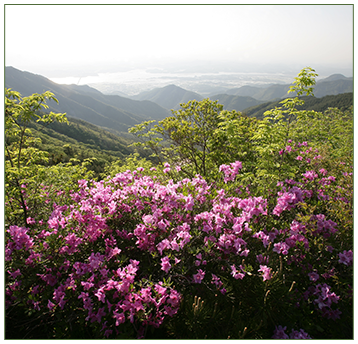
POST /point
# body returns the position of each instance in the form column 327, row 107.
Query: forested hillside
column 78, row 141
column 238, row 103
column 341, row 101
column 115, row 113
column 260, row 93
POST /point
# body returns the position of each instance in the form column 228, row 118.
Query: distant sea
column 139, row 80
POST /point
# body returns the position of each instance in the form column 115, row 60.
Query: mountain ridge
column 169, row 97
column 332, row 85
column 117, row 113
column 342, row 101
column 114, row 113
column 233, row 102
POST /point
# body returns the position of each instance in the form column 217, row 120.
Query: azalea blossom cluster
column 280, row 333
column 309, row 157
column 126, row 247
column 230, row 171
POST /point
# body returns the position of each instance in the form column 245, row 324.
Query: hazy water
column 135, row 81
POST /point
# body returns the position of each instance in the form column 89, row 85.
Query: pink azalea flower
column 50, row 305
column 216, row 281
column 322, row 171
column 15, row 273
column 310, row 175
column 313, row 276
column 231, row 171
column 120, row 318
column 163, row 245
column 299, row 334
column 161, row 290
column 174, row 245
column 346, row 257
column 30, row 221
column 236, row 274
column 281, row 247
column 199, row 276
column 266, row 272
column 174, row 298
column 165, row 264
column 279, row 333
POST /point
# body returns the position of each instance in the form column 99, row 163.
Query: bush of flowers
column 136, row 256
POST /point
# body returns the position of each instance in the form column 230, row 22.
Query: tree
column 233, row 140
column 25, row 170
column 188, row 140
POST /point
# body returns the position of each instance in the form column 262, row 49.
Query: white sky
column 40, row 38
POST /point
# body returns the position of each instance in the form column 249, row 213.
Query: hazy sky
column 49, row 39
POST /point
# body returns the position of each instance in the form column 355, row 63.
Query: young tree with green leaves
column 188, row 140
column 26, row 172
column 233, row 140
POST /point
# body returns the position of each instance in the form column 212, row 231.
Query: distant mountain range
column 238, row 103
column 169, row 97
column 111, row 112
column 334, row 84
column 341, row 101
column 116, row 113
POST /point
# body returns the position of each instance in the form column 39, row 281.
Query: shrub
column 135, row 256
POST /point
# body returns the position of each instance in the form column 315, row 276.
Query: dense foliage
column 243, row 229
column 78, row 141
